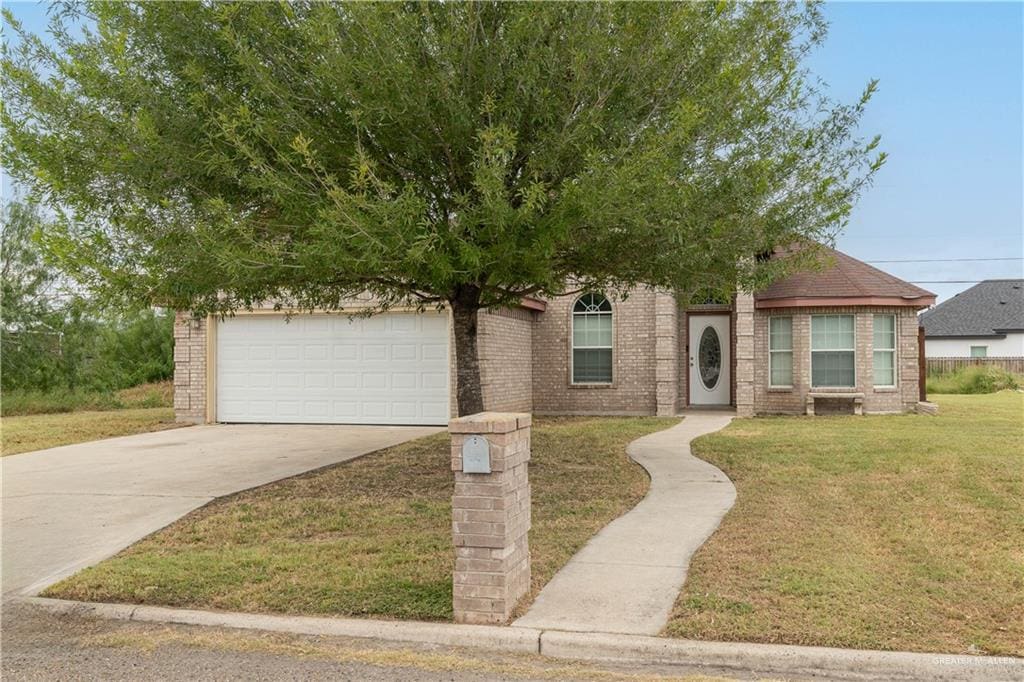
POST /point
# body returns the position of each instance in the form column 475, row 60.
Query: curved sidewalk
column 626, row 579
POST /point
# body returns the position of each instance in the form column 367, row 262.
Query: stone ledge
column 490, row 422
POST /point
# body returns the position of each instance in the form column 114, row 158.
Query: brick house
column 840, row 338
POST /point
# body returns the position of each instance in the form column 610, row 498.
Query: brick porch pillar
column 744, row 354
column 491, row 518
column 666, row 354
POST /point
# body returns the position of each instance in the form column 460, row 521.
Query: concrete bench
column 857, row 398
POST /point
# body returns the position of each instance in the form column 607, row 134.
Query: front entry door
column 709, row 359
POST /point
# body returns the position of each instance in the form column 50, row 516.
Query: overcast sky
column 949, row 111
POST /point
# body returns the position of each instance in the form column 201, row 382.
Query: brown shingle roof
column 841, row 280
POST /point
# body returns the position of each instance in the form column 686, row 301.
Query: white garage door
column 327, row 369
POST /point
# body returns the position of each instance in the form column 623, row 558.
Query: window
column 592, row 340
column 885, row 350
column 780, row 351
column 832, row 351
column 979, row 351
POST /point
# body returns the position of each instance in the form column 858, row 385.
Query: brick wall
column 634, row 382
column 792, row 401
column 189, row 368
column 505, row 346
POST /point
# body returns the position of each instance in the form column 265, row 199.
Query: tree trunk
column 467, row 362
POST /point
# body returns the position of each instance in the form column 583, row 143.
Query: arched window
column 592, row 340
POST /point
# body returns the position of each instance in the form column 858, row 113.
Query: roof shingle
column 844, row 277
column 989, row 308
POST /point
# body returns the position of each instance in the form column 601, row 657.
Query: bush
column 35, row 401
column 973, row 380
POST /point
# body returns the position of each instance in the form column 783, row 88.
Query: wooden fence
column 944, row 365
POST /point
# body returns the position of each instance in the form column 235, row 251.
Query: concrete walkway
column 69, row 507
column 626, row 579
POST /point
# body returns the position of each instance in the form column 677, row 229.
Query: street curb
column 759, row 659
column 781, row 659
column 519, row 640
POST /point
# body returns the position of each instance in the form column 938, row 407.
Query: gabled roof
column 989, row 308
column 841, row 280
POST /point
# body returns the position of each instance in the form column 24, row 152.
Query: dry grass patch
column 39, row 431
column 371, row 536
column 886, row 532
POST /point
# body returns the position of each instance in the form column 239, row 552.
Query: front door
column 709, row 359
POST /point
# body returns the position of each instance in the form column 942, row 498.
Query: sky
column 950, row 113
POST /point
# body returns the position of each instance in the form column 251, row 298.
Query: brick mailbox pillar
column 490, row 515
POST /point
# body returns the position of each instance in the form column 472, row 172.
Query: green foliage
column 974, row 380
column 215, row 155
column 55, row 343
column 61, row 400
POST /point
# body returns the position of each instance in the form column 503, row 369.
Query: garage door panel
column 388, row 369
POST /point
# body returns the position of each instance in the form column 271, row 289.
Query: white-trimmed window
column 780, row 352
column 884, row 358
column 592, row 340
column 833, row 351
column 979, row 351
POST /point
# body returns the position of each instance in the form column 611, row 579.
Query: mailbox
column 476, row 455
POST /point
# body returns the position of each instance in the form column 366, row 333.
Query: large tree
column 214, row 156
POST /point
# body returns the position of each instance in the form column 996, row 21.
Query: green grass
column 371, row 536
column 885, row 532
column 974, row 380
column 38, row 431
column 15, row 403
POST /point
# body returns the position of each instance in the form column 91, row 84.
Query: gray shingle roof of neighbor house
column 990, row 308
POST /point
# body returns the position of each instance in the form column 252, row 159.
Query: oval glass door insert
column 709, row 358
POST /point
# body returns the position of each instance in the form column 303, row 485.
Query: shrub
column 973, row 380
column 35, row 401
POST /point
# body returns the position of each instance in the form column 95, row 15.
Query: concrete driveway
column 69, row 507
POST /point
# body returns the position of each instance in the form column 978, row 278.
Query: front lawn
column 371, row 536
column 38, row 431
column 888, row 532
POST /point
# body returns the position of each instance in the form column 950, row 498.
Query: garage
column 328, row 369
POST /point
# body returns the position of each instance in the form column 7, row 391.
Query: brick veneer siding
column 793, row 401
column 189, row 368
column 634, row 383
column 505, row 347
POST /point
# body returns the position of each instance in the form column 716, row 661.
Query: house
column 987, row 320
column 842, row 337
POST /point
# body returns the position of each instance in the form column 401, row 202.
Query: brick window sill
column 781, row 389
column 591, row 386
column 886, row 389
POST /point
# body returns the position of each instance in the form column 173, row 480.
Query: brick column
column 666, row 354
column 189, row 368
column 491, row 518
column 744, row 354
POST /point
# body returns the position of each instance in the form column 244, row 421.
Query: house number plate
column 476, row 455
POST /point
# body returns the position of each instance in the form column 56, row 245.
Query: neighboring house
column 987, row 320
column 843, row 337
